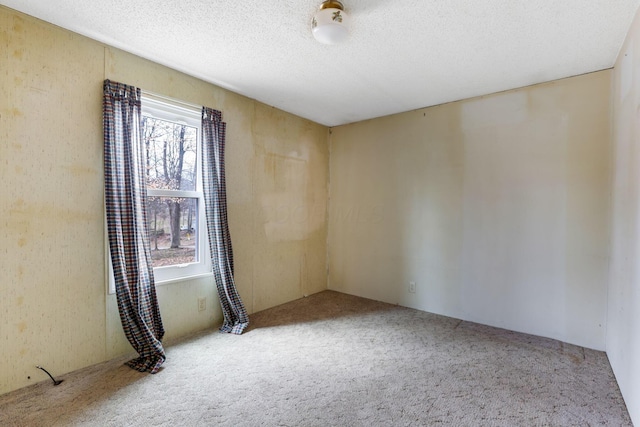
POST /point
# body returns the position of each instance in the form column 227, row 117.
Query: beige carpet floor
column 338, row 360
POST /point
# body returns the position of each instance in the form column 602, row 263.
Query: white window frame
column 163, row 108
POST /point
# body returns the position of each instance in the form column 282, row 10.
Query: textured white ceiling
column 401, row 54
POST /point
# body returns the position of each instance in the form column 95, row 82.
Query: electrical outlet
column 412, row 287
column 202, row 304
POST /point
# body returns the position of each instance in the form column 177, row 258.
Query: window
column 171, row 134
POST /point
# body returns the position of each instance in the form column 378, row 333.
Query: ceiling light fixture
column 330, row 24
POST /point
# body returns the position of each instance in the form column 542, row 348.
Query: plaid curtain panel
column 215, row 199
column 125, row 198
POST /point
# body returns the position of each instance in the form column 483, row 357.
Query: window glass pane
column 171, row 154
column 173, row 230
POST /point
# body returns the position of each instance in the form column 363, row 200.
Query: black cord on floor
column 55, row 382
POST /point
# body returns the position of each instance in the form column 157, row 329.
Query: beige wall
column 54, row 310
column 497, row 207
column 623, row 327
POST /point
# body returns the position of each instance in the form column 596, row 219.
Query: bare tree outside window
column 171, row 166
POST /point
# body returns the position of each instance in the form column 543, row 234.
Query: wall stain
column 17, row 54
column 22, row 241
column 270, row 165
column 18, row 24
column 20, row 301
column 21, row 215
column 20, row 228
column 16, row 113
column 22, row 326
column 78, row 170
column 283, row 170
column 38, row 90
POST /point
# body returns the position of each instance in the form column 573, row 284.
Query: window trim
column 168, row 109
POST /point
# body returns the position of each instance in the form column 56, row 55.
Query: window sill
column 184, row 279
column 112, row 290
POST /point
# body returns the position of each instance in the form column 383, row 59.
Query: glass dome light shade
column 330, row 25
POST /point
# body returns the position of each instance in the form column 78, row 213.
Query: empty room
column 310, row 213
